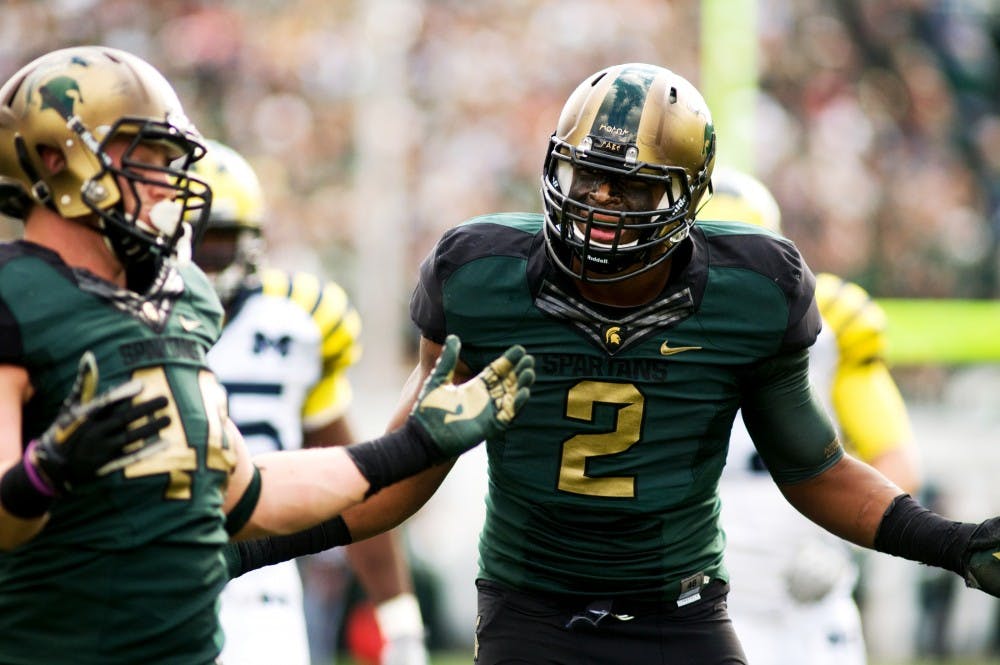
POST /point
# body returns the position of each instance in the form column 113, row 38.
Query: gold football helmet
column 75, row 101
column 741, row 197
column 232, row 246
column 634, row 122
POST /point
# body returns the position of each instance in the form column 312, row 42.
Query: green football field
column 942, row 331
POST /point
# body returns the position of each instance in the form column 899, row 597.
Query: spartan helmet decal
column 61, row 94
column 634, row 122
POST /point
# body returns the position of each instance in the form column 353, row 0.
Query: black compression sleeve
column 243, row 510
column 20, row 496
column 913, row 532
column 247, row 555
column 394, row 456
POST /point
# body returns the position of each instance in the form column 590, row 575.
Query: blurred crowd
column 878, row 124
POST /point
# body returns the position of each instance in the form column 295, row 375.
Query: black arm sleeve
column 395, row 456
column 241, row 512
column 20, row 497
column 390, row 458
column 913, row 532
column 247, row 555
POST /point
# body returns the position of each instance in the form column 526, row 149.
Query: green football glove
column 982, row 558
column 94, row 435
column 458, row 417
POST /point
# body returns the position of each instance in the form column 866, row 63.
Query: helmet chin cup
column 164, row 216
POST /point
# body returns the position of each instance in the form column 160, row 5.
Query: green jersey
column 129, row 567
column 606, row 482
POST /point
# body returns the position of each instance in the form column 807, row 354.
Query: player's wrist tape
column 23, row 491
column 247, row 555
column 913, row 532
column 395, row 456
column 400, row 617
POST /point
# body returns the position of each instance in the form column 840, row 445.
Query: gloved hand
column 981, row 560
column 458, row 417
column 817, row 567
column 94, row 435
column 402, row 629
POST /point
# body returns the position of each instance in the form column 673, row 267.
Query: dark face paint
column 628, row 194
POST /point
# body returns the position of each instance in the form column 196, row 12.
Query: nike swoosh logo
column 188, row 324
column 667, row 350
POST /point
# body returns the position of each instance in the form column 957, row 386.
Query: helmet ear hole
column 52, row 159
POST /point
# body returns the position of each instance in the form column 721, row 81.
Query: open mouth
column 603, row 237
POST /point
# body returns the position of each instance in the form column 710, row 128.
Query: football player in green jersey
column 111, row 550
column 601, row 542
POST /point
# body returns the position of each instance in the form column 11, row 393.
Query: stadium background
column 376, row 124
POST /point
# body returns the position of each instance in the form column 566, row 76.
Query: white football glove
column 402, row 628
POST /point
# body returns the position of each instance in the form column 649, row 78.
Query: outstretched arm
column 445, row 421
column 848, row 500
column 856, row 502
column 397, row 503
column 846, row 496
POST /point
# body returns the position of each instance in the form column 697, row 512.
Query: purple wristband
column 36, row 479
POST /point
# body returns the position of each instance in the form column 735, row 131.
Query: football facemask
column 636, row 125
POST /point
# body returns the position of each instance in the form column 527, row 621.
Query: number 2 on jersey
column 578, row 449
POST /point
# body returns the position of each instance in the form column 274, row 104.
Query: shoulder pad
column 336, row 319
column 202, row 295
column 855, row 319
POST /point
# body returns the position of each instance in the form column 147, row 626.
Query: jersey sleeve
column 11, row 349
column 204, row 300
column 866, row 400
column 339, row 326
column 427, row 302
column 804, row 322
column 741, row 250
column 14, row 276
column 786, row 420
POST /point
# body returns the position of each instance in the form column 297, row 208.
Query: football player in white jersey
column 792, row 582
column 283, row 357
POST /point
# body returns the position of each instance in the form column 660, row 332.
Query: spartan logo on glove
column 466, row 404
column 453, row 404
column 458, row 417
